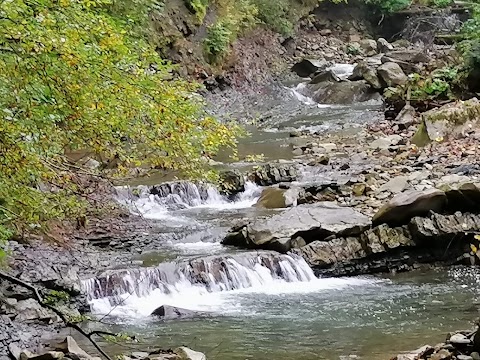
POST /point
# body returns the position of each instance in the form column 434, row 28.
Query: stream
column 262, row 305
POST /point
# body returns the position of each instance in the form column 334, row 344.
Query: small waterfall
column 197, row 276
column 156, row 201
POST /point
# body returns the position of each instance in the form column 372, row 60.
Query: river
column 261, row 305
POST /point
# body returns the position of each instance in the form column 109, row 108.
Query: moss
column 421, row 137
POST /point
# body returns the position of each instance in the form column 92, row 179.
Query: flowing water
column 263, row 305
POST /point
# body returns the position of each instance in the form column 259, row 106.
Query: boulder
column 185, row 353
column 406, row 117
column 444, row 226
column 232, row 182
column 70, row 347
column 272, row 198
column 276, row 198
column 364, row 71
column 271, row 174
column 464, row 197
column 408, row 60
column 322, row 254
column 308, row 67
column 407, row 205
column 451, row 119
column 344, row 92
column 392, row 74
column 368, row 47
column 409, row 56
column 384, row 46
column 310, row 222
column 167, row 312
column 325, row 76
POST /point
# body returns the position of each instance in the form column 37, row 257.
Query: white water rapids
column 208, row 284
column 183, row 195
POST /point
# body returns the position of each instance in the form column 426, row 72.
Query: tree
column 73, row 77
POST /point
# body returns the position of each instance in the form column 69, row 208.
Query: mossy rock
column 421, row 137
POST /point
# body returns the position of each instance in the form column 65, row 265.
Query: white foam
column 225, row 303
column 159, row 208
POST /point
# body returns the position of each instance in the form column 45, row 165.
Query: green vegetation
column 438, row 85
column 77, row 76
column 55, row 297
column 276, row 14
column 389, row 6
column 198, row 7
column 442, row 3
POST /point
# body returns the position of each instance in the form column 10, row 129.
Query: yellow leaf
column 474, row 248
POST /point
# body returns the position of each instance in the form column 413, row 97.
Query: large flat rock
column 402, row 207
column 298, row 226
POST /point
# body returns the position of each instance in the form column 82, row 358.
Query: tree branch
column 61, row 315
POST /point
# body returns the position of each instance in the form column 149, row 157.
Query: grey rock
column 406, row 117
column 311, row 222
column 325, row 76
column 275, row 198
column 308, row 67
column 442, row 354
column 364, row 71
column 185, row 353
column 167, row 312
column 368, row 46
column 438, row 225
column 407, row 205
column 345, row 92
column 232, row 182
column 452, row 119
column 140, row 355
column 70, row 346
column 380, row 239
column 395, row 185
column 271, row 174
column 14, row 350
column 417, row 354
column 49, row 355
column 392, row 74
column 385, row 142
column 384, row 46
column 31, row 310
column 464, row 357
column 410, row 56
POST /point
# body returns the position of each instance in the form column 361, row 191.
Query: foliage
column 352, row 49
column 120, row 337
column 441, row 3
column 75, row 76
column 237, row 16
column 77, row 319
column 438, row 85
column 276, row 15
column 389, row 6
column 55, row 297
column 219, row 37
column 254, row 158
column 198, row 7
